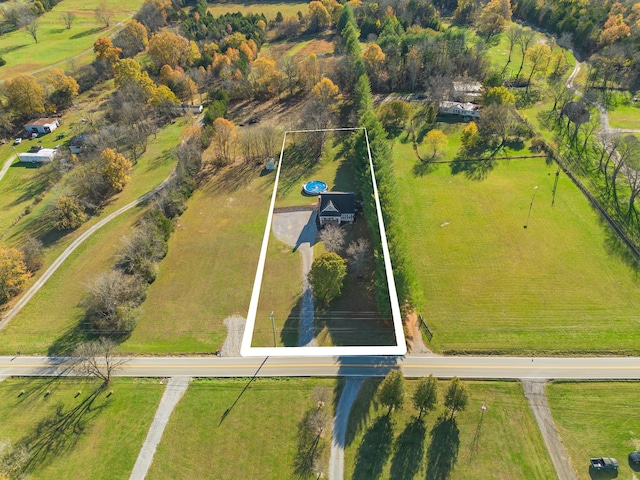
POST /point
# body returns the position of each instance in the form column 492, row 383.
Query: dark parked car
column 634, row 457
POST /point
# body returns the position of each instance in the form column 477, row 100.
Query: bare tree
column 513, row 36
column 320, row 396
column 31, row 25
column 95, row 359
column 68, row 18
column 526, row 38
column 333, row 238
column 103, row 14
column 358, row 253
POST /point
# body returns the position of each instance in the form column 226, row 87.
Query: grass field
column 17, row 190
column 47, row 324
column 256, row 439
column 625, row 116
column 209, row 270
column 269, row 8
column 597, row 420
column 504, row 443
column 56, row 43
column 114, row 425
column 492, row 286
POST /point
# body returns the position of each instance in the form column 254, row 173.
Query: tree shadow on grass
column 297, row 164
column 289, row 332
column 476, row 169
column 60, row 432
column 443, row 449
column 86, row 33
column 421, row 169
column 408, row 451
column 375, row 449
column 616, row 247
column 310, row 449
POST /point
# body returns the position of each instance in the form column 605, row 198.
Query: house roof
column 41, row 122
column 467, row 107
column 468, row 87
column 332, row 203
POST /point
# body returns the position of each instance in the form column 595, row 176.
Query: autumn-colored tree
column 470, row 137
column 494, row 17
column 68, row 213
column 167, row 48
column 115, row 169
column 193, row 54
column 327, row 275
column 64, row 88
column 133, row 39
column 224, row 138
column 104, row 50
column 25, row 97
column 614, row 29
column 498, row 96
column 13, row 273
column 374, row 59
column 319, row 16
column 178, row 82
column 435, row 140
column 539, row 55
column 264, row 77
column 327, row 94
column 129, row 71
column 309, row 70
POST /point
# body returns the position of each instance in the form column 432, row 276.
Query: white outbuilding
column 44, row 155
column 42, row 125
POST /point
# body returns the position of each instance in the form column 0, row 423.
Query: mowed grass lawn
column 55, row 42
column 209, row 271
column 625, row 116
column 256, row 439
column 491, row 285
column 46, row 324
column 502, row 443
column 18, row 188
column 597, row 420
column 100, row 441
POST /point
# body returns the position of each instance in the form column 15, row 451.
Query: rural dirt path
column 298, row 230
column 172, row 395
column 5, row 167
column 340, row 421
column 534, row 391
column 10, row 315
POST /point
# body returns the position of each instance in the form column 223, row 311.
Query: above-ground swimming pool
column 314, row 187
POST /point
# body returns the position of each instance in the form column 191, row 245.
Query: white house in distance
column 466, row 110
column 44, row 155
column 336, row 208
column 42, row 125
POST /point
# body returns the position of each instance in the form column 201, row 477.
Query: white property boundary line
column 246, row 350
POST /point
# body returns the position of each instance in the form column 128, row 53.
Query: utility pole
column 273, row 327
column 535, row 189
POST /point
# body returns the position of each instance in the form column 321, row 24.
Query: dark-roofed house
column 336, row 208
column 42, row 125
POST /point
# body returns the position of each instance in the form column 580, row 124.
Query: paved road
column 600, row 368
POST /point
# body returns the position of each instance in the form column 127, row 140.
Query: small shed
column 42, row 125
column 44, row 155
column 337, row 208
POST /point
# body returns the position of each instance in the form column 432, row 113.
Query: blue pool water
column 314, row 187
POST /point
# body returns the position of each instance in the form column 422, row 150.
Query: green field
column 48, row 324
column 256, row 439
column 74, row 422
column 504, row 443
column 625, row 116
column 269, row 8
column 17, row 190
column 597, row 420
column 209, row 270
column 559, row 286
column 56, row 44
